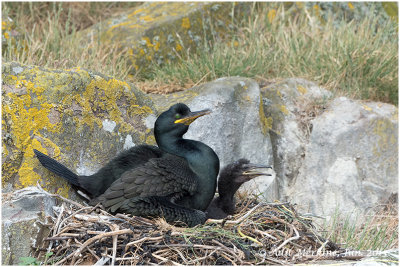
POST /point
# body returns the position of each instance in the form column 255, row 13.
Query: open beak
column 256, row 170
column 192, row 116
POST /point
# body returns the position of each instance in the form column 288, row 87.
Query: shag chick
column 176, row 180
column 229, row 181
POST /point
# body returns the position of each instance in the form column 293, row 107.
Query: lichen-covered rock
column 76, row 116
column 24, row 218
column 234, row 129
column 289, row 105
column 351, row 158
column 159, row 31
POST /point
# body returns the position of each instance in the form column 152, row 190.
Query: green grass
column 48, row 37
column 378, row 231
column 356, row 59
column 350, row 51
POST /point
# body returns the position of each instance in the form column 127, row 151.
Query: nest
column 260, row 233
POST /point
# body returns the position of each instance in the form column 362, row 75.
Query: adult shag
column 176, row 180
column 229, row 181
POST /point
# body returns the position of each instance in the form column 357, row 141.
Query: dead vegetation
column 261, row 233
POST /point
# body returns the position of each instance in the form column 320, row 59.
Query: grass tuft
column 373, row 231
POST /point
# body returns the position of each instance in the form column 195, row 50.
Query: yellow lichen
column 26, row 121
column 151, row 140
column 147, row 40
column 366, row 107
column 284, row 109
column 266, row 123
column 186, row 23
column 384, row 130
column 301, row 89
column 147, row 18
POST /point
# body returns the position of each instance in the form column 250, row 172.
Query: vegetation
column 377, row 230
column 348, row 48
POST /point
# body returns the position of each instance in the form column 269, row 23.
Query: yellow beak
column 192, row 116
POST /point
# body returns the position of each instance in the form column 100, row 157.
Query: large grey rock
column 350, row 159
column 288, row 107
column 24, row 216
column 76, row 116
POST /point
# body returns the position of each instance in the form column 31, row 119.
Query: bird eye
column 177, row 116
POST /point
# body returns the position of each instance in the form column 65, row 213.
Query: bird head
column 176, row 120
column 239, row 172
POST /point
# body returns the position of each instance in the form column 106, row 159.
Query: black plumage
column 176, row 180
column 229, row 181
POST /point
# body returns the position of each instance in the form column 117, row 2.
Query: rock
column 288, row 106
column 24, row 217
column 159, row 31
column 76, row 116
column 350, row 159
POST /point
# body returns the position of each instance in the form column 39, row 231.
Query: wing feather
column 168, row 176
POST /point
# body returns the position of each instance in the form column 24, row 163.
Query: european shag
column 229, row 181
column 176, row 180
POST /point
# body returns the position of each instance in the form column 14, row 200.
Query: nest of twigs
column 260, row 233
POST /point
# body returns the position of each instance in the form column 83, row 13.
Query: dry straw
column 260, row 233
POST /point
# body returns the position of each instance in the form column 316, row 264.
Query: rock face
column 24, row 215
column 158, row 31
column 350, row 159
column 72, row 115
column 288, row 106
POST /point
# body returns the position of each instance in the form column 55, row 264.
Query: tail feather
column 57, row 168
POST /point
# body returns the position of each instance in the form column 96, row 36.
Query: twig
column 227, row 250
column 144, row 239
column 288, row 240
column 61, row 197
column 166, row 260
column 238, row 220
column 248, row 237
column 56, row 226
column 102, row 261
column 114, row 227
column 93, row 239
column 265, row 234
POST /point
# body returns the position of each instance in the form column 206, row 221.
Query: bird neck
column 226, row 191
column 202, row 160
column 227, row 203
column 193, row 151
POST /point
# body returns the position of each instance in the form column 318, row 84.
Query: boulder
column 288, row 107
column 158, row 32
column 350, row 159
column 76, row 116
column 24, row 217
